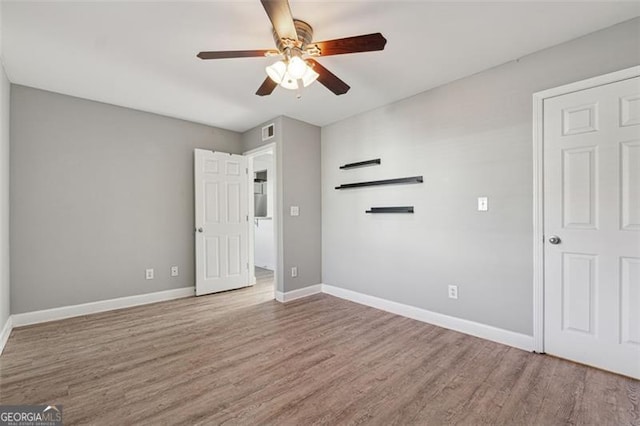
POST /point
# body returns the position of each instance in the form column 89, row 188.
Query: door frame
column 251, row 154
column 538, row 186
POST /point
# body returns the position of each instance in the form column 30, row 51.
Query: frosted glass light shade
column 309, row 76
column 276, row 71
column 297, row 67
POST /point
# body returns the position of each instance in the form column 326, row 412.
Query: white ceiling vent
column 268, row 132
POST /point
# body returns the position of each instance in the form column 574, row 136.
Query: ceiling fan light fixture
column 281, row 74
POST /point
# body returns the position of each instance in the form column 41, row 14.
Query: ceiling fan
column 293, row 38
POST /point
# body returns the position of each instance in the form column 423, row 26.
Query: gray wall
column 98, row 194
column 470, row 138
column 302, row 187
column 298, row 164
column 5, row 297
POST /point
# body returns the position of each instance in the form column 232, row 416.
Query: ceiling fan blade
column 329, row 79
column 340, row 46
column 280, row 15
column 225, row 54
column 267, row 87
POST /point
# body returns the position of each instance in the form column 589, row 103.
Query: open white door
column 592, row 226
column 222, row 232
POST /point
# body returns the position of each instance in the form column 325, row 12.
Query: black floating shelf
column 361, row 164
column 405, row 209
column 413, row 179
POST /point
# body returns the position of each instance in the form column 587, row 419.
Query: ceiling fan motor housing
column 305, row 35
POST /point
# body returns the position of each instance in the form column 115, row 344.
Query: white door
column 592, row 226
column 222, row 231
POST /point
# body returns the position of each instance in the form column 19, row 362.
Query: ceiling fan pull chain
column 300, row 85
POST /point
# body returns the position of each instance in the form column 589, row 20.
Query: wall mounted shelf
column 373, row 162
column 412, row 179
column 404, row 209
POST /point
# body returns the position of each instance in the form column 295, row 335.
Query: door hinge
column 247, row 218
column 247, row 266
column 246, row 171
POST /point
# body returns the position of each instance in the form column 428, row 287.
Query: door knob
column 200, row 230
column 554, row 239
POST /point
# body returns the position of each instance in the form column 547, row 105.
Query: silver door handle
column 554, row 239
column 200, row 230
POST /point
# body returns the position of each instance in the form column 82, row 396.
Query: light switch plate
column 483, row 204
column 295, row 211
column 294, row 271
column 174, row 271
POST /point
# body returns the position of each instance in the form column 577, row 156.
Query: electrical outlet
column 174, row 271
column 295, row 211
column 149, row 274
column 453, row 292
column 294, row 271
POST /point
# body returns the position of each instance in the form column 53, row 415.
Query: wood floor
column 242, row 358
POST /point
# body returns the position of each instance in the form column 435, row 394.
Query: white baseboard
column 298, row 294
column 495, row 334
column 484, row 331
column 506, row 337
column 46, row 315
column 6, row 331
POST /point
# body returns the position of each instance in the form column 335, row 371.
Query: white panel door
column 222, row 231
column 592, row 226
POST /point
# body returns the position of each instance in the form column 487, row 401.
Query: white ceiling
column 143, row 54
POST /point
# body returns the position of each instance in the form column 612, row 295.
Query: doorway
column 587, row 222
column 263, row 210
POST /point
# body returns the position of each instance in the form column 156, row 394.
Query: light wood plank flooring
column 242, row 358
